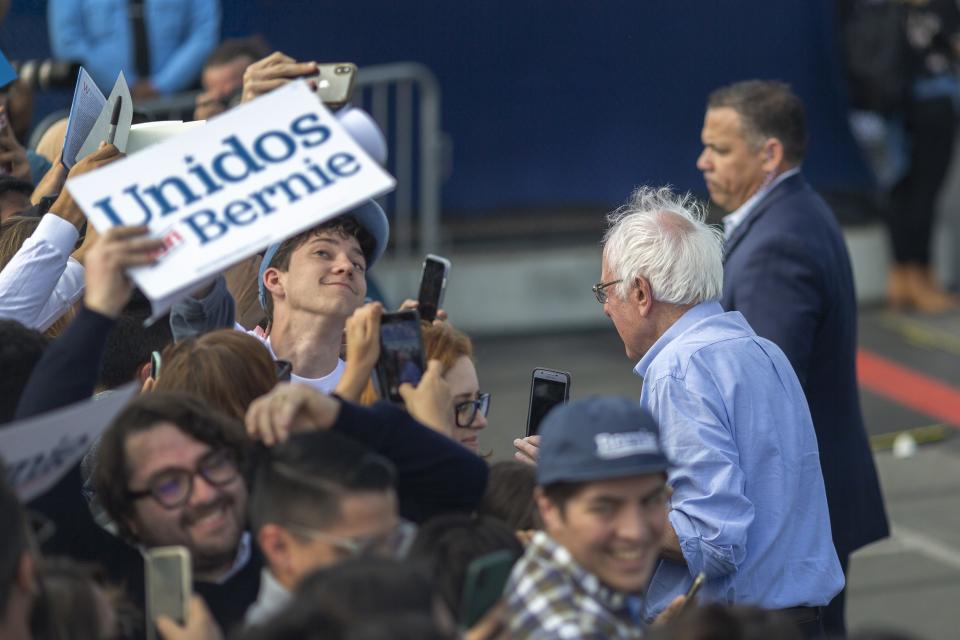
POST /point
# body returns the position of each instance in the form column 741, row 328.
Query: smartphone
column 155, row 362
column 483, row 585
column 692, row 591
column 169, row 583
column 548, row 388
column 433, row 284
column 335, row 83
column 401, row 353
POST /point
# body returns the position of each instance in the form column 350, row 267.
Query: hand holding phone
column 335, row 83
column 548, row 388
column 401, row 353
column 168, row 585
column 433, row 284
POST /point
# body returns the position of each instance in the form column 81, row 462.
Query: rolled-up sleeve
column 710, row 512
column 31, row 277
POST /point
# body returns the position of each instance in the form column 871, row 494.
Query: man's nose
column 344, row 264
column 203, row 491
column 703, row 161
column 633, row 525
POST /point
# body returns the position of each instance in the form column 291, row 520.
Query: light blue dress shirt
column 748, row 504
column 181, row 33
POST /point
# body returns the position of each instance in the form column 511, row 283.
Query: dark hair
column 449, row 543
column 20, row 350
column 227, row 368
column 130, row 343
column 253, row 47
column 767, row 109
column 13, row 538
column 559, row 493
column 68, row 607
column 301, row 481
column 366, row 586
column 399, row 626
column 302, row 619
column 346, row 226
column 509, row 495
column 728, row 622
column 111, row 476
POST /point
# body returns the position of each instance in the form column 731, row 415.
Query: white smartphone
column 433, row 284
column 169, row 584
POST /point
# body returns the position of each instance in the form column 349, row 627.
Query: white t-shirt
column 326, row 384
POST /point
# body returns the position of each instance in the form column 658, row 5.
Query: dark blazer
column 786, row 269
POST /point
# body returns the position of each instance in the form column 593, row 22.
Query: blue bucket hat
column 599, row 438
column 368, row 215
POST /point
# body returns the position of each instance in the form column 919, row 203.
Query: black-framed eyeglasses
column 600, row 290
column 173, row 487
column 467, row 411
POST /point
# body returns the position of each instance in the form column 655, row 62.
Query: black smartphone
column 483, row 585
column 433, row 284
column 401, row 353
column 168, row 585
column 548, row 388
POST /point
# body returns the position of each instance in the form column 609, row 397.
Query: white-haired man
column 748, row 507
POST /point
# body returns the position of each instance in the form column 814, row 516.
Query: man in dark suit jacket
column 786, row 269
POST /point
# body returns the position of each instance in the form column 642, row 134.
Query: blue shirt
column 181, row 34
column 748, row 504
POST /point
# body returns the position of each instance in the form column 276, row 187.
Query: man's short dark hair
column 111, row 477
column 229, row 50
column 301, row 481
column 449, row 543
column 767, row 109
column 130, row 343
column 344, row 225
column 560, row 493
column 20, row 350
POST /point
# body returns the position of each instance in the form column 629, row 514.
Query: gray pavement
column 910, row 582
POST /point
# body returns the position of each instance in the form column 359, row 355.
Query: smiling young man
column 602, row 493
column 308, row 285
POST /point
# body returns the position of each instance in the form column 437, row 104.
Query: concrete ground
column 909, row 582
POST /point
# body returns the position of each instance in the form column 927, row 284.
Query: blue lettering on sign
column 235, row 163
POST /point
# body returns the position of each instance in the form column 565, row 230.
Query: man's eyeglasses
column 173, row 487
column 466, row 412
column 393, row 544
column 600, row 290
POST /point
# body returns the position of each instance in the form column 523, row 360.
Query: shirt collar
column 692, row 316
column 550, row 551
column 272, row 597
column 733, row 219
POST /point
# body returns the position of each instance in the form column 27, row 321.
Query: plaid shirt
column 549, row 595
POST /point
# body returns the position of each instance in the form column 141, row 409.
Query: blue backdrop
column 563, row 102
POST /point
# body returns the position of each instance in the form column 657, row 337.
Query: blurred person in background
column 19, row 588
column 159, row 46
column 221, row 80
column 76, row 604
column 20, row 350
column 509, row 496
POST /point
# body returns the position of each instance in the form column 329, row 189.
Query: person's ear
column 271, row 280
column 643, row 296
column 26, row 577
column 275, row 545
column 550, row 513
column 772, row 154
column 143, row 373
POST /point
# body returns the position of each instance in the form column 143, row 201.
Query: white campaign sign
column 256, row 175
column 38, row 451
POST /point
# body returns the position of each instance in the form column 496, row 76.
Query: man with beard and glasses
column 171, row 472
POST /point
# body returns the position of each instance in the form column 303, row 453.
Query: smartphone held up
column 433, row 284
column 548, row 388
column 168, row 585
column 401, row 353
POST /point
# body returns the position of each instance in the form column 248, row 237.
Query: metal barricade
column 404, row 99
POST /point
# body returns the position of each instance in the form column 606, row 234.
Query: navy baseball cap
column 368, row 215
column 599, row 438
